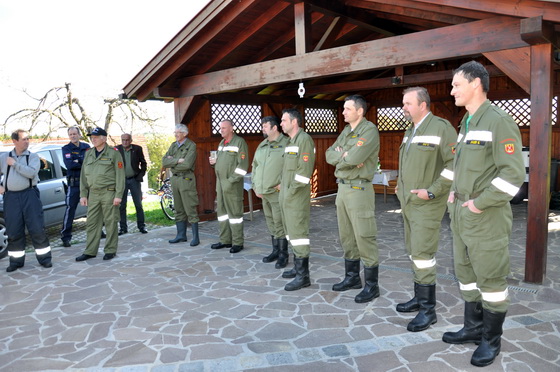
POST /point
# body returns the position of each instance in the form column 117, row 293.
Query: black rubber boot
column 275, row 250
column 371, row 290
column 181, row 232
column 301, row 280
column 491, row 342
column 290, row 274
column 195, row 240
column 426, row 294
column 412, row 305
column 472, row 330
column 282, row 253
column 351, row 279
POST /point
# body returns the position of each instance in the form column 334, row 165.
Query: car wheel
column 3, row 239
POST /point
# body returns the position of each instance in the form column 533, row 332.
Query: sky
column 98, row 46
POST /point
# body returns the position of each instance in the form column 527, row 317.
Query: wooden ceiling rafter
column 227, row 15
column 363, row 56
column 441, row 18
column 521, row 9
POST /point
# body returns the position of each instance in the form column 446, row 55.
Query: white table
column 248, row 186
column 383, row 178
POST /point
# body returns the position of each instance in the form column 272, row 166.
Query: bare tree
column 59, row 109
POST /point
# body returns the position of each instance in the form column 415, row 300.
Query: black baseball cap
column 98, row 132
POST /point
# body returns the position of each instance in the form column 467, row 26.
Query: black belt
column 178, row 174
column 129, row 178
column 466, row 197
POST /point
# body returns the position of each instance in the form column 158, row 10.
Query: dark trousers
column 135, row 188
column 24, row 209
column 72, row 201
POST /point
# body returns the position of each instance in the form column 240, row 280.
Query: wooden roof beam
column 302, row 25
column 523, row 9
column 448, row 42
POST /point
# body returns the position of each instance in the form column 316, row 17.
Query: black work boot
column 275, row 250
column 301, row 280
column 181, row 232
column 195, row 240
column 282, row 253
column 371, row 290
column 472, row 330
column 426, row 294
column 290, row 274
column 491, row 342
column 410, row 306
column 351, row 279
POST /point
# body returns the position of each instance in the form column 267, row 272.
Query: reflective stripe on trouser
column 230, row 203
column 296, row 209
column 101, row 211
column 355, row 212
column 72, row 201
column 185, row 199
column 481, row 255
column 24, row 209
column 422, row 224
column 273, row 214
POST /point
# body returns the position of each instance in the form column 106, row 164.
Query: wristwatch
column 431, row 195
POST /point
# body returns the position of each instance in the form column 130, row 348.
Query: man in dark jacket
column 135, row 168
column 73, row 155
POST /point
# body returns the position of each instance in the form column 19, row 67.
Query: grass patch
column 152, row 213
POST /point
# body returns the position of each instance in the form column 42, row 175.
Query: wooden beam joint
column 535, row 31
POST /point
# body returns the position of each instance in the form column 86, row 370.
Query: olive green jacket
column 268, row 162
column 105, row 171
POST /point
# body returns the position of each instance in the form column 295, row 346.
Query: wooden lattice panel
column 246, row 118
column 391, row 118
column 320, row 120
column 520, row 110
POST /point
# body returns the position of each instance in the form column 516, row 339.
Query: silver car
column 52, row 184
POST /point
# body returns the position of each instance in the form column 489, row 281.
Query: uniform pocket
column 367, row 227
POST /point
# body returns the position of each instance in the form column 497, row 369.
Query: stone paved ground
column 160, row 307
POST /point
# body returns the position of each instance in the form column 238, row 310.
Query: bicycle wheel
column 166, row 202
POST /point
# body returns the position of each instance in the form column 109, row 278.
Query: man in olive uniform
column 181, row 158
column 101, row 189
column 488, row 171
column 295, row 196
column 267, row 172
column 425, row 175
column 354, row 155
column 231, row 165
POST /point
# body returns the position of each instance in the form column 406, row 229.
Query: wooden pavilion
column 244, row 59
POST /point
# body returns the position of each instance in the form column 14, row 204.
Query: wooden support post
column 539, row 162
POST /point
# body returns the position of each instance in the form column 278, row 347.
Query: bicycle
column 166, row 199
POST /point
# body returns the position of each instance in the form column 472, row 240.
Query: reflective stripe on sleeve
column 240, row 171
column 468, row 287
column 223, row 218
column 446, row 173
column 404, row 139
column 433, row 140
column 505, row 186
column 16, row 254
column 495, row 296
column 301, row 179
column 297, row 242
column 41, row 251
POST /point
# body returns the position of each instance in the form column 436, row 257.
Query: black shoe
column 109, row 256
column 143, row 230
column 122, row 232
column 103, row 235
column 220, row 245
column 84, row 257
column 48, row 265
column 11, row 268
column 236, row 249
column 66, row 243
